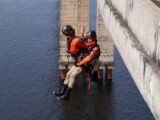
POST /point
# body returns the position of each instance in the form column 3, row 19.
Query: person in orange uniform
column 74, row 48
column 74, row 44
column 93, row 52
column 91, row 62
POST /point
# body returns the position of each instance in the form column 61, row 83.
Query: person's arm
column 87, row 59
column 91, row 44
column 85, row 45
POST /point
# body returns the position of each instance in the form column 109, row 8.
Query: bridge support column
column 108, row 75
column 62, row 74
column 100, row 74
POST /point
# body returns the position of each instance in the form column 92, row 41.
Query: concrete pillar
column 108, row 75
column 100, row 74
column 62, row 74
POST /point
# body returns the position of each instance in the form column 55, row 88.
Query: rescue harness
column 76, row 57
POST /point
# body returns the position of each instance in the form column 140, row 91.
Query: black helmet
column 91, row 34
column 68, row 30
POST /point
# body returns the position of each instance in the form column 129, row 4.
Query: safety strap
column 67, row 65
column 89, row 85
column 89, row 81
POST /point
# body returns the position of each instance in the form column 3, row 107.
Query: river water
column 29, row 72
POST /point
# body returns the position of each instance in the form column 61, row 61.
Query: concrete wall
column 143, row 17
column 105, row 42
column 134, row 26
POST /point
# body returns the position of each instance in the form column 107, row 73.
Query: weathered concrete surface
column 134, row 26
column 143, row 18
column 106, row 44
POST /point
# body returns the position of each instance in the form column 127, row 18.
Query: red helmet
column 68, row 30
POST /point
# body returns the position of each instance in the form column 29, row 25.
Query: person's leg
column 76, row 72
column 67, row 79
column 65, row 84
column 73, row 76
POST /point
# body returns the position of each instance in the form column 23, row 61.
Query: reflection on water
column 29, row 72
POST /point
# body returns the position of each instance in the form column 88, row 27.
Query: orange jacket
column 94, row 53
column 76, row 44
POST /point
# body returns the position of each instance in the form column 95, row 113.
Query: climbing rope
column 82, row 27
column 82, row 32
column 89, row 82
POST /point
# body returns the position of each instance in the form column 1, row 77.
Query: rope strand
column 82, row 28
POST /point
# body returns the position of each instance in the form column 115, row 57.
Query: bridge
column 134, row 27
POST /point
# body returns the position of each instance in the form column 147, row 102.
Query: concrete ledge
column 104, row 62
column 143, row 17
column 142, row 67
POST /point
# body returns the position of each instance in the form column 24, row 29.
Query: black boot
column 61, row 92
column 66, row 95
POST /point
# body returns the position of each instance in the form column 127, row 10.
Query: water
column 29, row 72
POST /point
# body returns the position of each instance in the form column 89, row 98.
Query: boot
column 61, row 92
column 66, row 95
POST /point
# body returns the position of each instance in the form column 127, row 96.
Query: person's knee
column 66, row 82
column 75, row 73
column 71, row 82
column 67, row 74
column 72, row 76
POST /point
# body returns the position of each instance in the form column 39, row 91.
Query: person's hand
column 78, row 65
